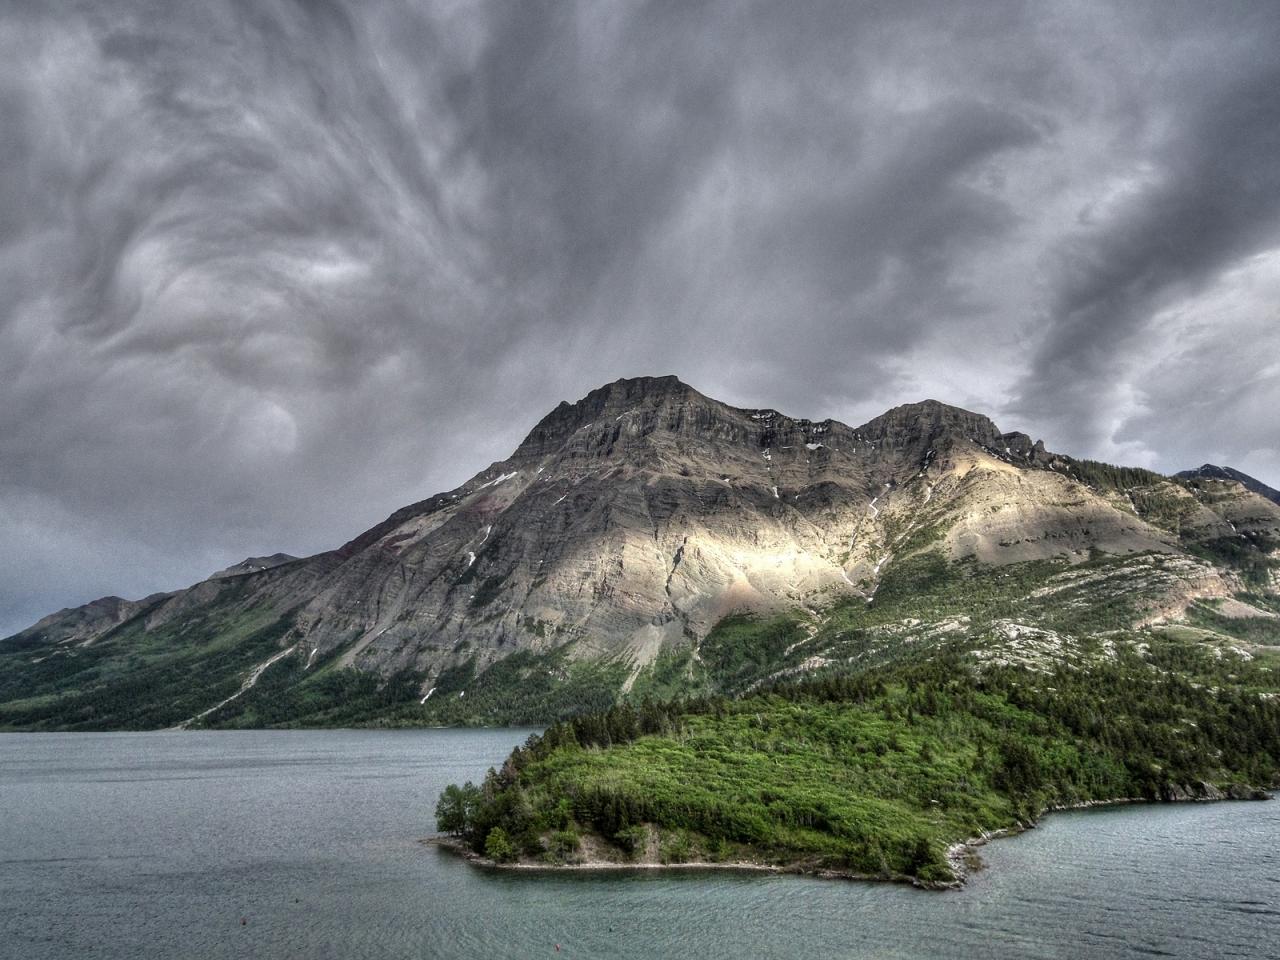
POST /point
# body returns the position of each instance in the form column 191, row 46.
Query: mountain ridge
column 1211, row 471
column 627, row 525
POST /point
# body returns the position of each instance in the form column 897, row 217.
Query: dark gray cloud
column 1201, row 193
column 269, row 270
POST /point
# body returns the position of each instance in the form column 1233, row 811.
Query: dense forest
column 878, row 772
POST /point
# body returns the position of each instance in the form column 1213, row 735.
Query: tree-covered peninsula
column 881, row 772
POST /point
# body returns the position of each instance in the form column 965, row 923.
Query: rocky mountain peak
column 930, row 422
column 1211, row 471
column 609, row 402
column 634, row 418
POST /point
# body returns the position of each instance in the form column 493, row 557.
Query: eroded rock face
column 633, row 520
column 1184, row 792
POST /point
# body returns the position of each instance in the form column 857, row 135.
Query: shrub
column 632, row 840
column 675, row 848
column 498, row 846
column 564, row 844
column 456, row 808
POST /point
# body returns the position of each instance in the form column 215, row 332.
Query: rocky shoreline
column 594, row 865
column 962, row 857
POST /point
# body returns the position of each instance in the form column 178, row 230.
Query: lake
column 304, row 844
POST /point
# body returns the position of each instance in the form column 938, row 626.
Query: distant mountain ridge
column 1210, row 471
column 597, row 560
column 254, row 565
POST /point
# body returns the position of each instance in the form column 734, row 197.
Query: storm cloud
column 270, row 270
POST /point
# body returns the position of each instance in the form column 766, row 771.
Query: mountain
column 620, row 546
column 254, row 565
column 1211, row 471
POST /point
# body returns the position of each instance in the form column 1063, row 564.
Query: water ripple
column 281, row 844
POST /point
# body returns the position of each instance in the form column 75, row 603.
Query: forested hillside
column 879, row 772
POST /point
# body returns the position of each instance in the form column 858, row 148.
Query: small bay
column 305, row 844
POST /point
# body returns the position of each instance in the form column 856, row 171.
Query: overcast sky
column 269, row 271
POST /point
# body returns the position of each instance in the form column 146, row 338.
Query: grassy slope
column 550, row 686
column 134, row 679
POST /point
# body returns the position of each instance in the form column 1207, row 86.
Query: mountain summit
column 606, row 551
column 1210, row 471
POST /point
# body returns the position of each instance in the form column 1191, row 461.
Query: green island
column 889, row 760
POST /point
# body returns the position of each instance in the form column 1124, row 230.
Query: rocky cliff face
column 629, row 523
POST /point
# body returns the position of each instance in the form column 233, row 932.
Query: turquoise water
column 160, row 845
